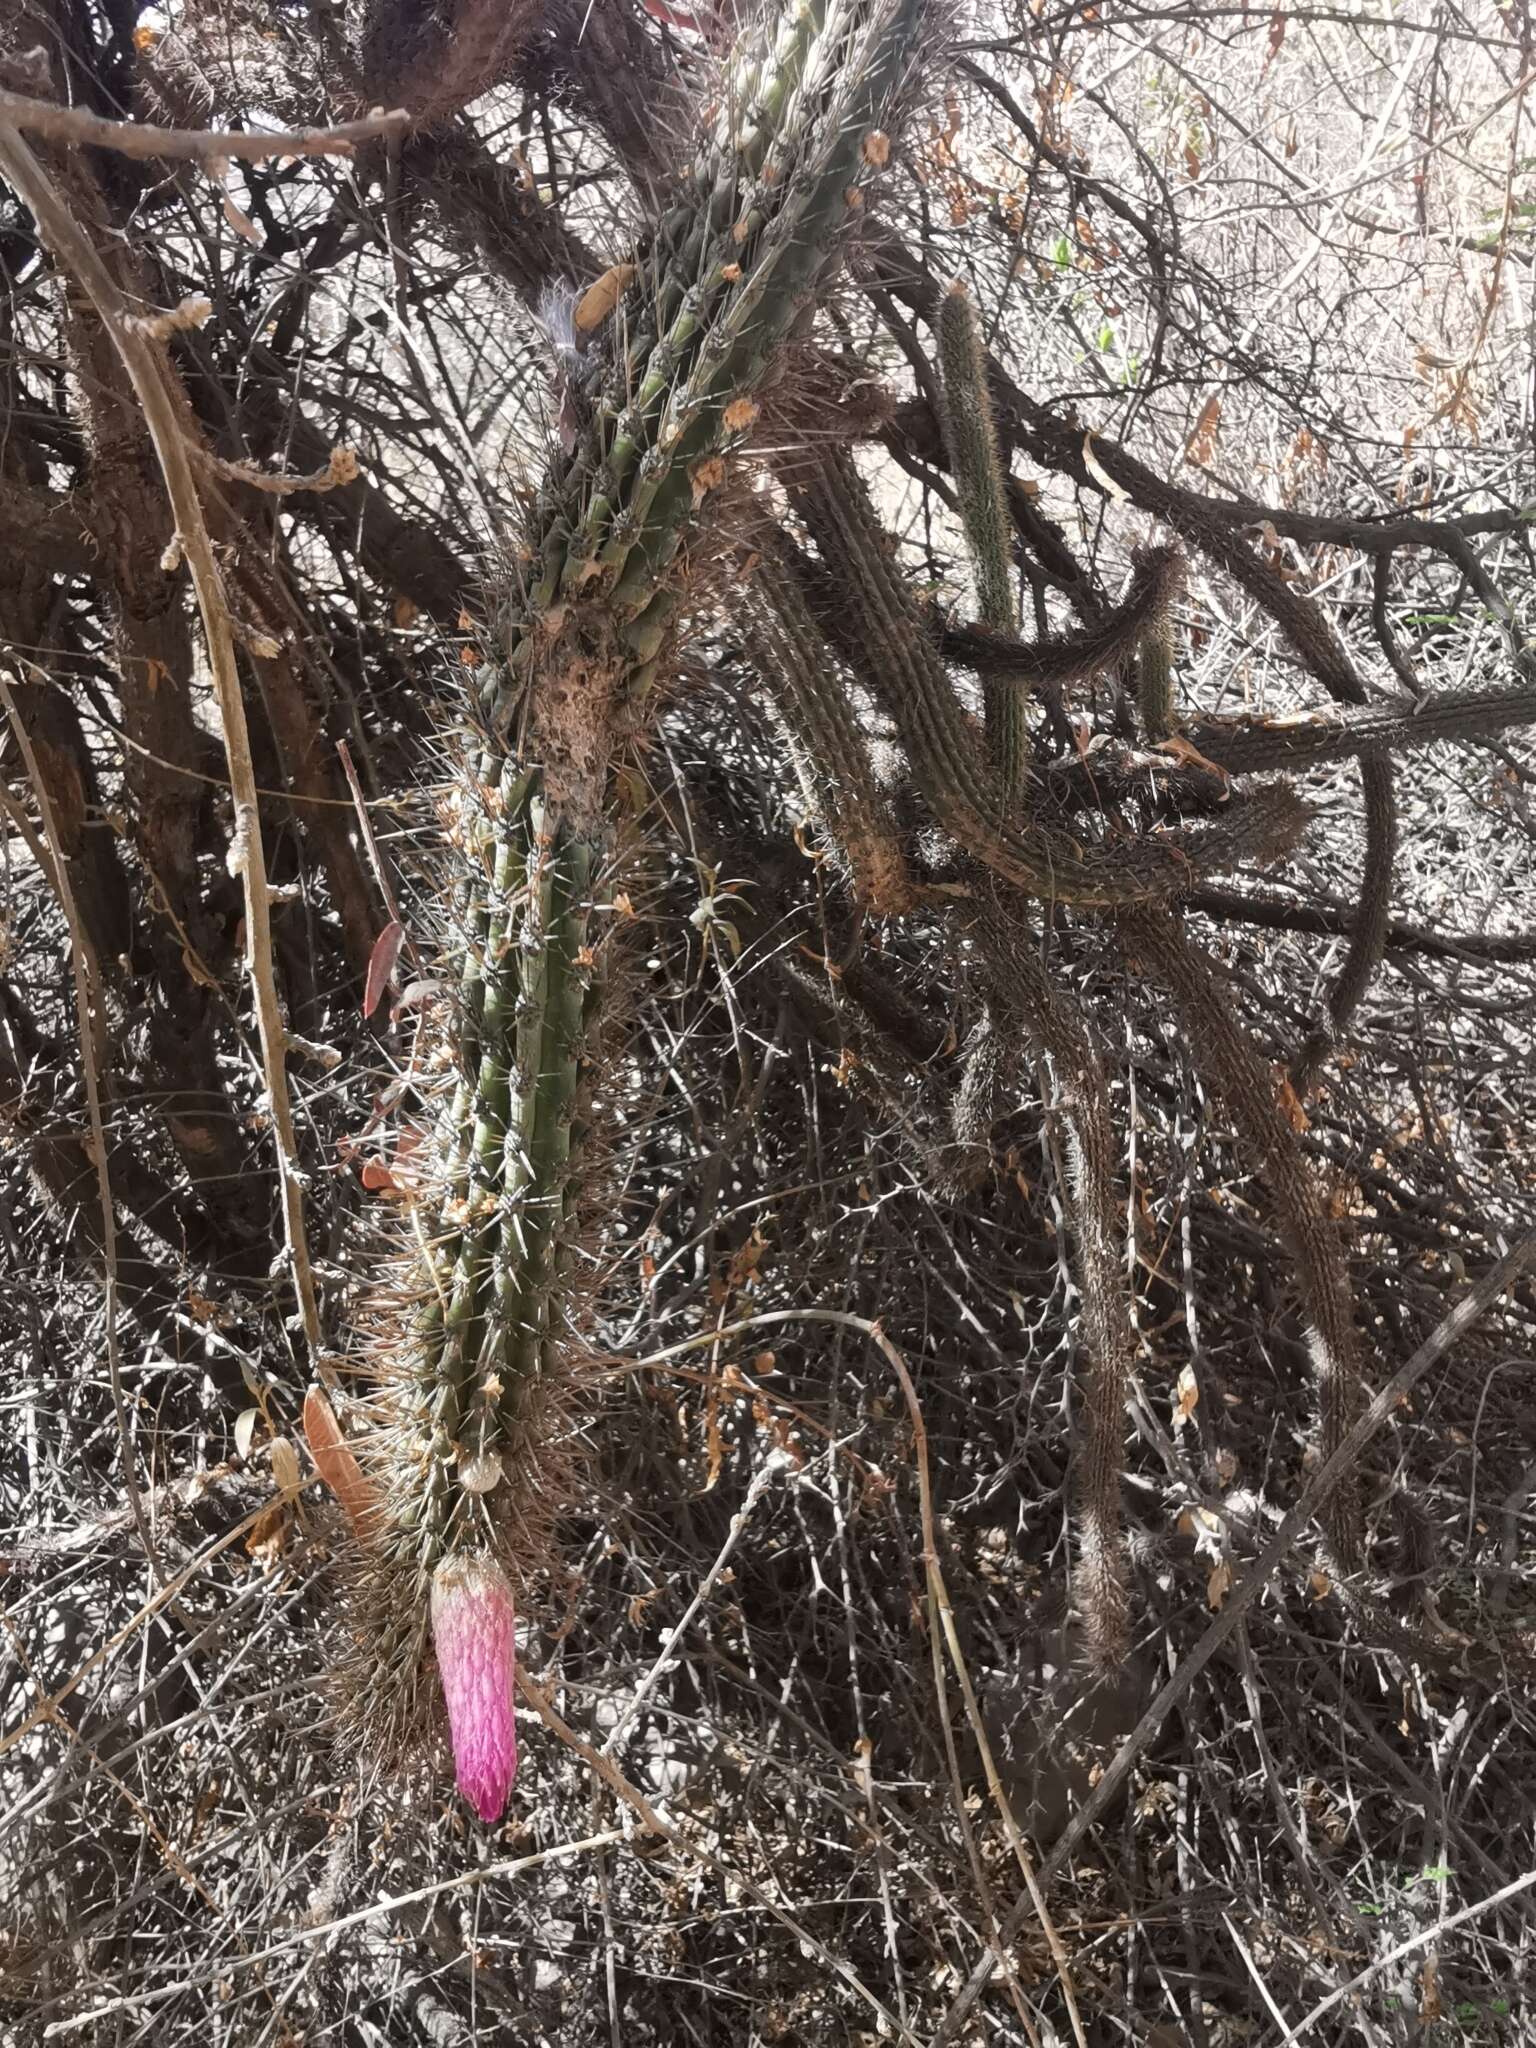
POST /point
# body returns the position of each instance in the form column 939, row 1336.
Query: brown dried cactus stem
column 1263, row 745
column 1001, row 658
column 811, row 698
column 1062, row 1039
column 1249, row 1091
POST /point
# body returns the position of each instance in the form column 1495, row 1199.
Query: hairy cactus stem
column 1154, row 682
column 903, row 670
column 1061, row 1037
column 732, row 266
column 971, row 435
column 813, row 702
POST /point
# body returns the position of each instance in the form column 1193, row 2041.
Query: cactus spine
column 973, row 452
column 798, row 127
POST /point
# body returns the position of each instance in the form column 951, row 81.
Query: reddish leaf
column 335, row 1462
column 381, row 964
column 673, row 17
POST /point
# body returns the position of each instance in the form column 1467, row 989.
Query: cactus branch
column 1062, row 1040
column 902, row 667
column 1000, row 658
column 1249, row 1091
column 812, row 699
column 798, row 128
column 1247, row 747
column 1154, row 682
column 974, row 457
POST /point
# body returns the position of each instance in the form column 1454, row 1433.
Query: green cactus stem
column 799, row 127
column 971, row 436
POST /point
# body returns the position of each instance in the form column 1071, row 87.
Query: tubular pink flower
column 473, row 1631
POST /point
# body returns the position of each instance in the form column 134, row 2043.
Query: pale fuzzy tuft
column 473, row 1631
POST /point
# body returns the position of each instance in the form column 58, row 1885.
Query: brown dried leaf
column 1186, row 1396
column 335, row 1462
column 600, row 297
column 1101, row 476
column 1201, row 445
column 381, row 964
column 285, row 1467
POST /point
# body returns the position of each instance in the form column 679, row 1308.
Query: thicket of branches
column 1067, row 1002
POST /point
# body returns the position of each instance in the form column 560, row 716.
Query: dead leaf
column 600, row 297
column 1290, row 1102
column 1431, row 2006
column 1201, row 445
column 381, row 964
column 1186, row 1396
column 269, row 1533
column 1101, row 476
column 242, row 224
column 335, row 1462
column 285, row 1467
column 1219, row 1584
column 1188, row 755
column 245, row 1430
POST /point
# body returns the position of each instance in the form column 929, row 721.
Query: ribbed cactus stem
column 1154, row 682
column 798, row 128
column 798, row 133
column 1052, row 1021
column 903, row 669
column 811, row 696
column 1249, row 746
column 971, row 436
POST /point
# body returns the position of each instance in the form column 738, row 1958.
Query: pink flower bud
column 473, row 1631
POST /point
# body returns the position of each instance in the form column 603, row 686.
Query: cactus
column 461, row 1466
column 812, row 700
column 1076, row 657
column 974, row 458
column 1021, row 991
column 1154, row 682
column 902, row 667
column 1250, row 746
column 1241, row 1080
column 1373, row 914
